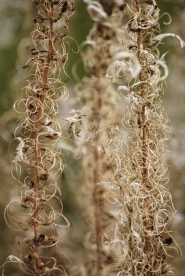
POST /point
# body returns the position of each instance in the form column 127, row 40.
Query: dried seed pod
column 53, row 239
column 43, row 176
column 28, row 259
column 42, row 239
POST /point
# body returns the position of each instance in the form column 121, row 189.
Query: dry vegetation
column 119, row 130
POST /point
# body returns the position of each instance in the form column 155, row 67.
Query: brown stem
column 38, row 126
column 96, row 193
column 97, row 213
column 144, row 134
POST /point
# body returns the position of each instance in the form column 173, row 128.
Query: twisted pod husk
column 37, row 210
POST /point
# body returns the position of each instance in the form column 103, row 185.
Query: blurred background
column 16, row 21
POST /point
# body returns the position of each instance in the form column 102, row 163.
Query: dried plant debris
column 131, row 210
column 38, row 210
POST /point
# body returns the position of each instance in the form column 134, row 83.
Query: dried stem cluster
column 131, row 209
column 38, row 163
column 121, row 132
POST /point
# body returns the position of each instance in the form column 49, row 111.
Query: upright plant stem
column 97, row 194
column 144, row 134
column 38, row 126
column 97, row 213
column 36, row 129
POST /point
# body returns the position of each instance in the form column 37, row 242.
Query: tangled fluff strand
column 37, row 162
column 142, row 237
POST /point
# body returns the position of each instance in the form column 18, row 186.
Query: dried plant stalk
column 142, row 236
column 98, row 132
column 37, row 163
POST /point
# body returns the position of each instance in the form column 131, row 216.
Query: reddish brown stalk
column 97, row 212
column 97, row 195
column 45, row 77
column 144, row 134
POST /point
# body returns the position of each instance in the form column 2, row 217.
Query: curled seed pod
column 42, row 239
column 53, row 239
column 28, row 259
